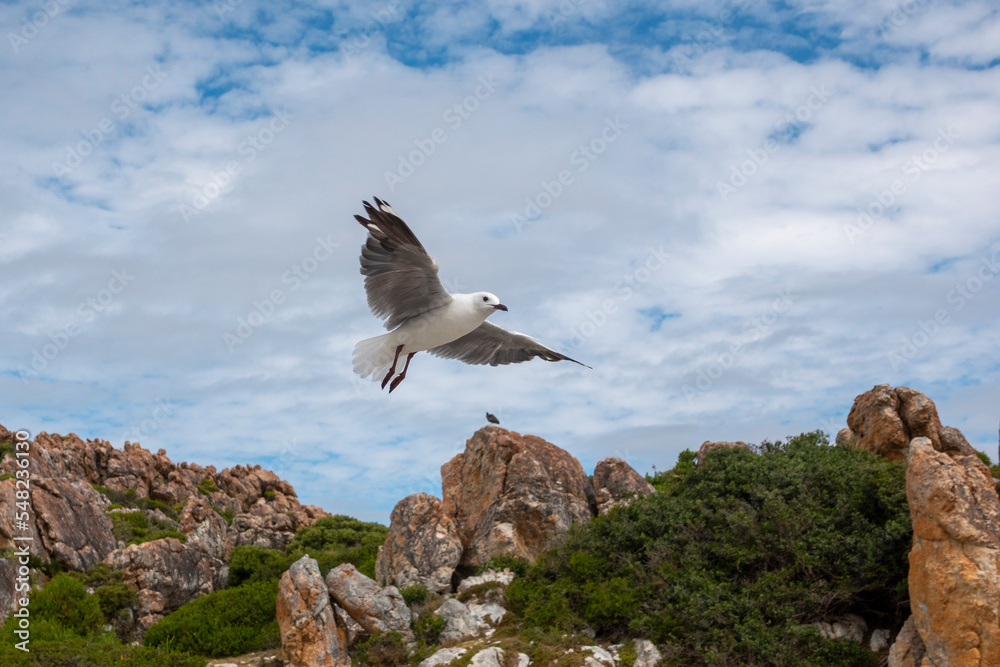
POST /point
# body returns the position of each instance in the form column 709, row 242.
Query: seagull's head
column 487, row 302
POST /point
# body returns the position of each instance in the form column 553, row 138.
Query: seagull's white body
column 403, row 288
column 426, row 331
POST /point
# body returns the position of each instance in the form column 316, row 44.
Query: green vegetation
column 415, row 594
column 381, row 650
column 249, row 564
column 130, row 499
column 6, row 475
column 518, row 566
column 222, row 623
column 226, row 513
column 6, row 448
column 338, row 539
column 994, row 469
column 207, row 486
column 66, row 627
column 135, row 528
column 733, row 559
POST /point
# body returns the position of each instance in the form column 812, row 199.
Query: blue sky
column 741, row 214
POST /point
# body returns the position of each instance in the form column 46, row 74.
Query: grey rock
column 376, row 609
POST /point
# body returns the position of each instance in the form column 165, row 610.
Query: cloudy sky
column 741, row 214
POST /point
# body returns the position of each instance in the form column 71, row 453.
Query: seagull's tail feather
column 373, row 356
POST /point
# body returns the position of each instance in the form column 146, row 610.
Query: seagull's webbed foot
column 392, row 371
column 395, row 383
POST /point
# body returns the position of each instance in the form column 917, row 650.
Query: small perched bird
column 492, row 418
column 403, row 288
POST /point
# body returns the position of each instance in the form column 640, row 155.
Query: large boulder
column 708, row 447
column 306, row 619
column 177, row 571
column 513, row 495
column 465, row 621
column 422, row 546
column 954, row 575
column 908, row 649
column 377, row 609
column 884, row 421
column 616, row 482
column 70, row 516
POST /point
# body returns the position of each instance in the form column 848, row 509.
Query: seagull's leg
column 395, row 383
column 392, row 371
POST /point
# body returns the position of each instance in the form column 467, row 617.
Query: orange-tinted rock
column 884, row 420
column 306, row 618
column 955, row 560
column 513, row 494
column 708, row 447
column 422, row 546
column 616, row 482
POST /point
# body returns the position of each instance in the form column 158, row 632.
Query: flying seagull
column 492, row 418
column 403, row 289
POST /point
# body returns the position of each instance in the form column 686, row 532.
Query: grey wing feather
column 401, row 279
column 493, row 345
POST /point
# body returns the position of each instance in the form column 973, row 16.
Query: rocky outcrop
column 908, row 649
column 178, row 572
column 616, row 482
column 444, row 656
column 514, row 495
column 955, row 560
column 376, row 609
column 70, row 519
column 306, row 619
column 707, row 447
column 465, row 621
column 884, row 421
column 422, row 546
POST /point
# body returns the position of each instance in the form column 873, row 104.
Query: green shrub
column 65, row 601
column 415, row 594
column 114, row 599
column 207, row 486
column 130, row 499
column 381, row 650
column 428, row 628
column 101, row 651
column 338, row 539
column 135, row 528
column 248, row 564
column 226, row 513
column 6, row 476
column 6, row 448
column 223, row 623
column 733, row 559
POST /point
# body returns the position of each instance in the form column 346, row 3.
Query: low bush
column 136, row 528
column 222, row 623
column 248, row 564
column 338, row 539
column 131, row 499
column 415, row 594
column 733, row 559
column 65, row 601
column 381, row 650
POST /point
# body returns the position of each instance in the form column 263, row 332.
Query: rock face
column 908, row 650
column 707, row 447
column 885, row 420
column 376, row 609
column 514, row 495
column 422, row 546
column 70, row 522
column 955, row 560
column 616, row 482
column 306, row 618
column 178, row 572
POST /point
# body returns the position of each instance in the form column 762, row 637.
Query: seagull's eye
column 486, row 298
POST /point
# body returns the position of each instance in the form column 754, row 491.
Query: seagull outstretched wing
column 401, row 279
column 493, row 345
